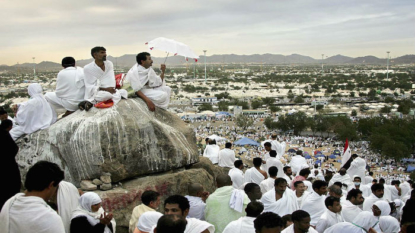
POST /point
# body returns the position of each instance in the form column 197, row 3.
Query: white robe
column 212, row 153
column 150, row 84
column 195, row 226
column 314, row 205
column 369, row 201
column 237, row 177
column 68, row 199
column 267, row 185
column 70, row 89
column 148, row 220
column 349, row 211
column 389, row 224
column 34, row 114
column 327, row 220
column 242, row 225
column 274, row 162
column 29, row 214
column 252, row 175
column 197, row 207
column 343, row 179
column 285, row 205
column 365, row 190
column 405, row 189
column 297, row 162
column 290, row 229
column 96, row 78
column 302, row 198
column 226, row 158
column 368, row 179
column 358, row 168
column 288, row 179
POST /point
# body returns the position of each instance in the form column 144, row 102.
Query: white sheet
column 285, row 205
column 252, row 175
column 314, row 205
column 237, row 177
column 68, row 199
column 242, row 225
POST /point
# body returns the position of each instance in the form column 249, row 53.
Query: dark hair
column 358, row 177
column 298, row 215
column 285, row 168
column 141, row 57
column 330, row 201
column 254, row 209
column 353, row 193
column 376, row 187
column 149, row 196
column 273, row 171
column 297, row 183
column 250, row 187
column 2, row 111
column 304, row 172
column 68, row 62
column 171, row 224
column 257, row 161
column 370, row 173
column 375, row 180
column 42, row 174
column 279, row 180
column 6, row 124
column 338, row 183
column 318, row 184
column 273, row 153
column 267, row 144
column 228, row 145
column 178, row 199
column 285, row 219
column 354, row 155
column 238, row 163
column 395, row 182
column 381, row 180
column 207, row 139
column 267, row 220
column 212, row 142
column 96, row 50
column 299, row 152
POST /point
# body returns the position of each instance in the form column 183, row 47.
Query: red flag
column 195, row 60
column 347, row 153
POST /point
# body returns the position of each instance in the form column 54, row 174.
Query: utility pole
column 204, row 51
column 34, row 68
column 387, row 65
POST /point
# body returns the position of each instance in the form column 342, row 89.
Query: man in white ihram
column 147, row 84
column 100, row 79
column 70, row 88
column 357, row 168
column 280, row 200
column 227, row 156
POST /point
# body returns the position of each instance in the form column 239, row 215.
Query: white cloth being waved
column 281, row 150
column 70, row 89
column 290, row 229
column 358, row 168
column 150, row 84
column 345, row 179
column 361, row 224
column 267, row 185
column 349, row 211
column 314, row 205
column 84, row 209
column 29, row 214
column 197, row 207
column 34, row 114
column 242, row 225
column 68, row 199
column 297, row 162
column 327, row 220
column 212, row 153
column 285, row 205
column 237, row 177
column 252, row 175
column 369, row 201
column 274, row 162
column 226, row 158
column 96, row 78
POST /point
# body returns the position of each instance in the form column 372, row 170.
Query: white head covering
column 398, row 203
column 365, row 220
column 84, row 209
column 36, row 113
column 389, row 224
column 384, row 207
column 68, row 199
column 147, row 220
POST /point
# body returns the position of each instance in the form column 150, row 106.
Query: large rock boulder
column 126, row 140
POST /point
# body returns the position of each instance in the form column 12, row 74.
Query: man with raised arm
column 147, row 85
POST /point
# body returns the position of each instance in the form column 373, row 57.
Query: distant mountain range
column 128, row 60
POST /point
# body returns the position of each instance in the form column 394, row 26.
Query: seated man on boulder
column 147, row 84
column 70, row 88
column 100, row 80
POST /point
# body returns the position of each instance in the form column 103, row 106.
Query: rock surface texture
column 126, row 140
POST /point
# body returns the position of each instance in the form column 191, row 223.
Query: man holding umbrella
column 147, row 84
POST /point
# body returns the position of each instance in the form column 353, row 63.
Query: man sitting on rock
column 255, row 174
column 147, row 84
column 70, row 88
column 150, row 202
column 100, row 80
column 197, row 198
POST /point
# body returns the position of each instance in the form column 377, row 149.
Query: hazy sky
column 50, row 30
